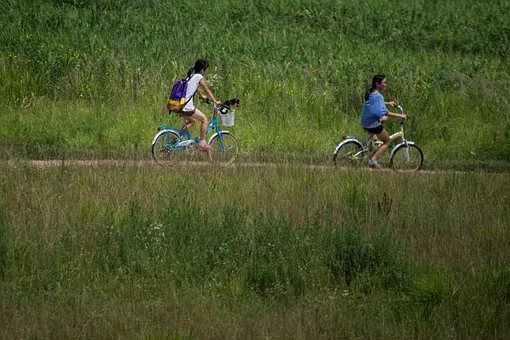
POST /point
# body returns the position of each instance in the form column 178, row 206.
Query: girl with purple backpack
column 196, row 83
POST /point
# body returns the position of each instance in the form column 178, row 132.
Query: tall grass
column 249, row 253
column 93, row 75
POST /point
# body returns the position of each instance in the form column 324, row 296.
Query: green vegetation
column 134, row 252
column 81, row 78
column 290, row 251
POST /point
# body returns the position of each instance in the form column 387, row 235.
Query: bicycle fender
column 159, row 134
column 398, row 145
column 215, row 134
column 348, row 140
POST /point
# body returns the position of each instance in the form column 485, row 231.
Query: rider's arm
column 391, row 103
column 202, row 96
column 209, row 93
column 396, row 115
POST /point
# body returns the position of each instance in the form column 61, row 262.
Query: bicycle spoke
column 349, row 154
column 224, row 149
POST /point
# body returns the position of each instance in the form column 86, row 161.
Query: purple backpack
column 177, row 98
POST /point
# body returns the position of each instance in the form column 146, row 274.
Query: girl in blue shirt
column 375, row 113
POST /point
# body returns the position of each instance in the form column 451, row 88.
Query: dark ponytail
column 368, row 90
column 378, row 78
column 190, row 73
column 200, row 65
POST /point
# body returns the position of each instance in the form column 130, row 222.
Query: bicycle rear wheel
column 407, row 158
column 224, row 149
column 164, row 150
column 348, row 155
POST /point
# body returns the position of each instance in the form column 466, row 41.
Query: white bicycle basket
column 226, row 116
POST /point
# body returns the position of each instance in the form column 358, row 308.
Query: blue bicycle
column 173, row 145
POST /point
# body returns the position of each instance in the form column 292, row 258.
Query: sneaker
column 203, row 146
column 373, row 164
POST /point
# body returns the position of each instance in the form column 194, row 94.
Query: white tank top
column 192, row 88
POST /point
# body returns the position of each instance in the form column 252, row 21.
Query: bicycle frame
column 365, row 147
column 185, row 135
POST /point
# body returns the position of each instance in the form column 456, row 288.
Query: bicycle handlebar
column 228, row 104
column 235, row 102
column 401, row 109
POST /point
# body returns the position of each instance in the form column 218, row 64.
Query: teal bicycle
column 172, row 145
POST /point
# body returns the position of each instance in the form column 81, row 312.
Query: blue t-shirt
column 373, row 110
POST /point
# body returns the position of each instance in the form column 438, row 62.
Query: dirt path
column 150, row 163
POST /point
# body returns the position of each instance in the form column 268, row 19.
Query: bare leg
column 385, row 138
column 198, row 115
column 371, row 141
column 188, row 123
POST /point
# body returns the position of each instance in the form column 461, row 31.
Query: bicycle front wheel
column 165, row 150
column 224, row 149
column 348, row 154
column 407, row 158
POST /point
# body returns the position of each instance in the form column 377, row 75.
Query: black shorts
column 186, row 113
column 377, row 130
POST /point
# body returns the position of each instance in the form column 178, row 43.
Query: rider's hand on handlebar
column 392, row 104
column 403, row 117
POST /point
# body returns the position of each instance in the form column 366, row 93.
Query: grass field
column 283, row 245
column 287, row 252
